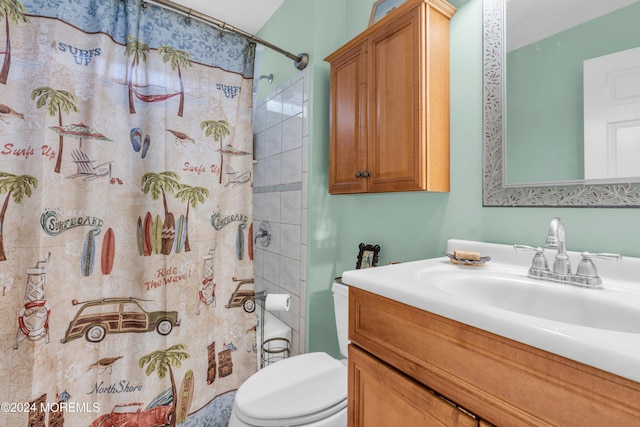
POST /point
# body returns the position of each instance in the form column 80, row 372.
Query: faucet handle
column 539, row 262
column 263, row 234
column 518, row 247
column 587, row 268
column 601, row 255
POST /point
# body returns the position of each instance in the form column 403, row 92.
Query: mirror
column 501, row 187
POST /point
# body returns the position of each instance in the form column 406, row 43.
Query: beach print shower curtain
column 126, row 272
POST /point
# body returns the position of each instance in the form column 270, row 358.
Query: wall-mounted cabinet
column 390, row 104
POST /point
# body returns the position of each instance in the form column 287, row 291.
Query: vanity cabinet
column 390, row 104
column 409, row 364
column 382, row 396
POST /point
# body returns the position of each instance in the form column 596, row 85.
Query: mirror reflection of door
column 612, row 116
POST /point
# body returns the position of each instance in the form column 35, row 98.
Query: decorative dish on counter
column 467, row 258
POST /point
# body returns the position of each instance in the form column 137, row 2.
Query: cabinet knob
column 358, row 174
column 364, row 174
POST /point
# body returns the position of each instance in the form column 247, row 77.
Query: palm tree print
column 158, row 184
column 16, row 187
column 57, row 102
column 179, row 59
column 191, row 196
column 11, row 10
column 218, row 129
column 139, row 51
column 161, row 361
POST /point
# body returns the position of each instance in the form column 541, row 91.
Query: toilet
column 308, row 390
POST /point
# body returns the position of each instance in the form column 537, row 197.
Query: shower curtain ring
column 188, row 17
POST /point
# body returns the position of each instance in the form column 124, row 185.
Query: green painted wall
column 411, row 226
column 545, row 96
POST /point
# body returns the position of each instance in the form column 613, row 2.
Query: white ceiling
column 246, row 15
column 532, row 20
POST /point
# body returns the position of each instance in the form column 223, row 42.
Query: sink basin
column 590, row 308
column 597, row 327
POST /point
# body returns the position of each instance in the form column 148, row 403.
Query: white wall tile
column 292, row 166
column 258, row 261
column 303, row 262
column 274, row 110
column 273, row 140
column 271, row 267
column 281, row 147
column 257, row 284
column 303, row 298
column 290, row 241
column 306, row 85
column 290, row 275
column 295, row 345
column 292, row 99
column 292, row 133
column 259, row 145
column 305, row 119
column 272, row 206
column 258, row 210
column 258, row 174
column 259, row 118
column 273, row 170
column 305, row 154
column 290, row 210
column 303, row 226
column 305, row 186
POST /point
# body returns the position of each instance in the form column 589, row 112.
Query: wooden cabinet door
column 395, row 145
column 380, row 396
column 348, row 152
column 390, row 104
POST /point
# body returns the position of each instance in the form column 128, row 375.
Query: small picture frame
column 382, row 8
column 368, row 256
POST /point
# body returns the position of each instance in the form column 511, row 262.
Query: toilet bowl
column 308, row 390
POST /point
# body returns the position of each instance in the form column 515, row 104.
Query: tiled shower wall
column 280, row 128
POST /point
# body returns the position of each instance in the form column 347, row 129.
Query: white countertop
column 610, row 350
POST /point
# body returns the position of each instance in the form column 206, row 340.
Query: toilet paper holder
column 272, row 349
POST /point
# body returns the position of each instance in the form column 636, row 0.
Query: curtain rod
column 299, row 61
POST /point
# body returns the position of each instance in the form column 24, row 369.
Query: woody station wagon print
column 97, row 318
column 244, row 296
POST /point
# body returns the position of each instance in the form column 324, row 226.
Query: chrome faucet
column 586, row 274
column 263, row 234
column 558, row 240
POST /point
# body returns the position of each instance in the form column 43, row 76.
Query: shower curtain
column 125, row 205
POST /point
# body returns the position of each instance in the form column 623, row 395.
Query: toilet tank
column 341, row 308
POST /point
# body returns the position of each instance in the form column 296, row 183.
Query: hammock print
column 151, row 97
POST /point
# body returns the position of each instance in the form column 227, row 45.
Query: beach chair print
column 236, row 178
column 86, row 168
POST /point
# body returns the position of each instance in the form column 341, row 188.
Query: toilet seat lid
column 299, row 389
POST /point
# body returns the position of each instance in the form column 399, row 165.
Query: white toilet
column 307, row 390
